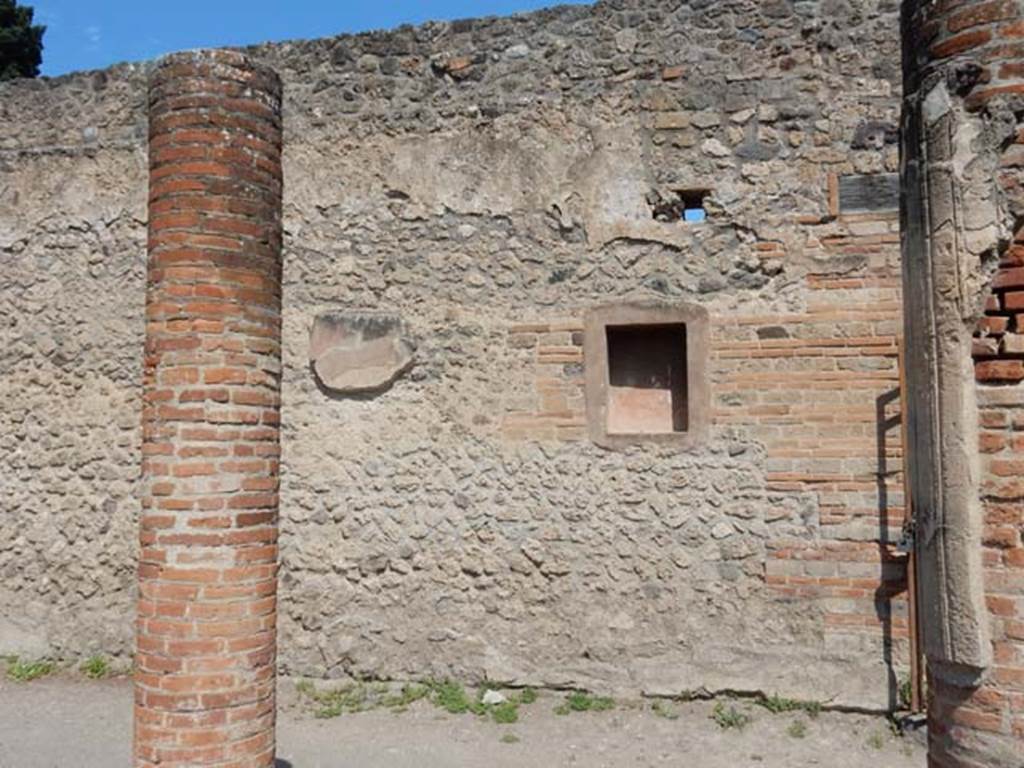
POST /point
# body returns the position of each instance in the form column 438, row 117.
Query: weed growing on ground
column 346, row 698
column 580, row 701
column 876, row 740
column 509, row 738
column 448, row 695
column 451, row 697
column 349, row 698
column 24, row 671
column 778, row 705
column 409, row 694
column 505, row 713
column 95, row 667
column 729, row 717
column 904, row 692
column 797, row 729
column 662, row 709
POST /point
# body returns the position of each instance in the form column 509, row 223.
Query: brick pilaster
column 976, row 47
column 204, row 683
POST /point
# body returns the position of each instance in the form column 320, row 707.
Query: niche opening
column 647, row 381
column 646, row 374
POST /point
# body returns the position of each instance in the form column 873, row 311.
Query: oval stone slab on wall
column 358, row 352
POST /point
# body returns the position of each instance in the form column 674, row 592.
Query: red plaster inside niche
column 647, row 382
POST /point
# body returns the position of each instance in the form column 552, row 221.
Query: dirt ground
column 66, row 721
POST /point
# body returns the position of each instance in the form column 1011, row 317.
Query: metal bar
column 916, row 667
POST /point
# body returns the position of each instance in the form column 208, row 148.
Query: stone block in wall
column 869, row 192
column 359, row 352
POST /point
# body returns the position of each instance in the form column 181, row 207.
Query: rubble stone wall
column 487, row 182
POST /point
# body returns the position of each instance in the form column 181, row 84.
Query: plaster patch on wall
column 482, row 173
column 601, row 172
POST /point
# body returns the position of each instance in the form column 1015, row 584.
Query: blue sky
column 89, row 34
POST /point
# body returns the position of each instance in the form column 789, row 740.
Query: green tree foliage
column 21, row 43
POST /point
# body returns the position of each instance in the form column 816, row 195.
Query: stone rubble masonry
column 206, row 632
column 978, row 49
column 472, row 178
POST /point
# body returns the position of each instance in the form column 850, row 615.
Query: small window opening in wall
column 680, row 205
column 693, row 204
column 647, row 381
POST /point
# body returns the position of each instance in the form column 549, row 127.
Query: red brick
column 1013, row 300
column 221, row 375
column 982, row 13
column 981, row 721
column 992, row 419
column 984, row 346
column 991, row 442
column 1009, row 277
column 951, row 46
column 999, row 370
column 1001, row 537
column 993, row 325
column 1014, row 29
column 213, row 277
column 1011, row 70
column 981, row 96
column 1001, row 606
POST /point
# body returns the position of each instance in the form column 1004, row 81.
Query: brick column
column 204, row 682
column 963, row 251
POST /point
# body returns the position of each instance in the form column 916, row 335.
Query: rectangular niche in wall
column 646, row 379
column 646, row 369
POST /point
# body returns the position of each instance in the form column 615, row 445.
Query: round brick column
column 204, row 682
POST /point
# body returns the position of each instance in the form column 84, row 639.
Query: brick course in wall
column 206, row 634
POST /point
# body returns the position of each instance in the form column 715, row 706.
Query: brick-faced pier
column 204, row 683
column 963, row 199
